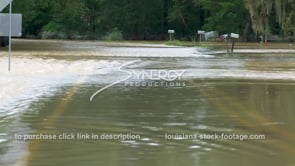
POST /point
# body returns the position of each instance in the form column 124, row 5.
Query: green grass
column 179, row 43
column 188, row 43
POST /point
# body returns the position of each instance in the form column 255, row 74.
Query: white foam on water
column 269, row 52
column 240, row 74
column 104, row 51
column 30, row 79
column 265, row 50
column 153, row 52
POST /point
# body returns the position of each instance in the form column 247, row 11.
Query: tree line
column 150, row 19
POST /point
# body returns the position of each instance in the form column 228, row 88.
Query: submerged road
column 223, row 98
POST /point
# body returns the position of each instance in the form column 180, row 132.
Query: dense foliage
column 150, row 19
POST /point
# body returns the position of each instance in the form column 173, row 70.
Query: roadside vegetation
column 116, row 20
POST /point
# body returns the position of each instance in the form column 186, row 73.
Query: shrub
column 114, row 35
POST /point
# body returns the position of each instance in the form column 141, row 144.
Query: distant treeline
column 144, row 19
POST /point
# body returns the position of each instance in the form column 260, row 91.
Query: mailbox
column 171, row 31
column 200, row 32
column 224, row 36
column 211, row 35
column 234, row 35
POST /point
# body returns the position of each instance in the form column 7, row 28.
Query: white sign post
column 9, row 48
column 171, row 34
column 3, row 4
column 200, row 33
column 10, row 25
column 16, row 25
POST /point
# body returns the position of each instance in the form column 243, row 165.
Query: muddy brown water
column 224, row 110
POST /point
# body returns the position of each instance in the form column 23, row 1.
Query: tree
column 91, row 14
column 185, row 17
column 150, row 20
column 260, row 11
column 226, row 16
column 35, row 14
column 289, row 22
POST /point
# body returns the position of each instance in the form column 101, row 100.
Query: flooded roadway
column 48, row 92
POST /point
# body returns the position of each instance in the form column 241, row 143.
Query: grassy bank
column 26, row 44
column 238, row 45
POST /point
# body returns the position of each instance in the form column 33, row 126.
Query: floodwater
column 200, row 118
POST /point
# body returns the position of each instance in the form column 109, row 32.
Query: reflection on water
column 246, row 95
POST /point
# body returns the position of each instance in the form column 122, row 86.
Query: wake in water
column 32, row 78
column 116, row 82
